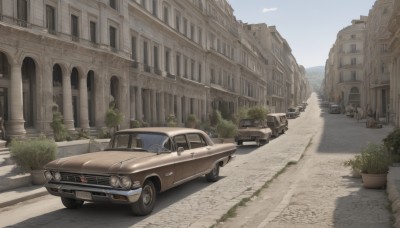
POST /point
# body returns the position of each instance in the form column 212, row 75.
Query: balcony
column 171, row 76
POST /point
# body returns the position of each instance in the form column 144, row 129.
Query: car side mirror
column 180, row 150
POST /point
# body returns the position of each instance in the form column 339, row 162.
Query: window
column 212, row 74
column 155, row 58
column 113, row 4
column 93, row 31
column 185, row 71
column 50, row 19
column 353, row 61
column 143, row 3
column 74, row 28
column 22, row 12
column 353, row 36
column 192, row 69
column 180, row 141
column 200, row 73
column 134, row 48
column 196, row 141
column 167, row 60
column 353, row 75
column 166, row 15
column 192, row 31
column 113, row 37
column 155, row 8
column 199, row 36
column 185, row 24
column 145, row 53
column 353, row 48
column 178, row 64
column 177, row 21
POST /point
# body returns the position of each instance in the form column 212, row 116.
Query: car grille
column 87, row 179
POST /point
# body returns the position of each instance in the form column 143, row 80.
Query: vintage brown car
column 253, row 130
column 138, row 164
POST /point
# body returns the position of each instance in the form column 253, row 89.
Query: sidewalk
column 19, row 195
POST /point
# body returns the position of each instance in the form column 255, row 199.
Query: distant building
column 150, row 59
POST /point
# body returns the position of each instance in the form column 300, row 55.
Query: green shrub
column 241, row 114
column 113, row 119
column 191, row 121
column 226, row 129
column 258, row 113
column 374, row 159
column 392, row 143
column 215, row 118
column 59, row 128
column 33, row 154
column 135, row 124
column 171, row 121
column 83, row 134
column 103, row 133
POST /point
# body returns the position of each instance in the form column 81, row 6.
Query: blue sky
column 309, row 26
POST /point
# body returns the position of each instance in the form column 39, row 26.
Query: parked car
column 301, row 108
column 138, row 164
column 292, row 112
column 334, row 109
column 253, row 130
column 278, row 123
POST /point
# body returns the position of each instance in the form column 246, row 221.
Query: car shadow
column 112, row 215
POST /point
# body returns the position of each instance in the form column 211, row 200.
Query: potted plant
column 31, row 155
column 191, row 121
column 113, row 119
column 226, row 130
column 373, row 162
column 354, row 164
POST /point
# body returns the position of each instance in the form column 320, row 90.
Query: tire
column 240, row 142
column 147, row 200
column 71, row 203
column 213, row 175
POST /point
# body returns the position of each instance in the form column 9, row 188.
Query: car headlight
column 126, row 182
column 48, row 175
column 57, row 176
column 114, row 181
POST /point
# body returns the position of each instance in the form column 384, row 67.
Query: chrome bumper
column 97, row 194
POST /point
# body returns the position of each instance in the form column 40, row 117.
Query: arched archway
column 354, row 97
column 28, row 71
column 91, row 98
column 75, row 95
column 114, row 92
column 5, row 70
column 57, row 88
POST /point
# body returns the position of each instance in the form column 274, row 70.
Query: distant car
column 253, row 130
column 138, row 164
column 301, row 108
column 334, row 109
column 278, row 123
column 292, row 112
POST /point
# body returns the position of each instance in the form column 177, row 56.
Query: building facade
column 149, row 59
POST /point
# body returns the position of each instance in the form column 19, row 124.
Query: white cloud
column 266, row 10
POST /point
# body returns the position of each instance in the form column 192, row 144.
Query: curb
column 21, row 194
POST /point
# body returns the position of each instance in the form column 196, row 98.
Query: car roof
column 277, row 114
column 164, row 130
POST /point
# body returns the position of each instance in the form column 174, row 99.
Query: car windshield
column 291, row 110
column 141, row 141
column 248, row 123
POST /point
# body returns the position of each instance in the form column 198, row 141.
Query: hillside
column 315, row 76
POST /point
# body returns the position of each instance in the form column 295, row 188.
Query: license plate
column 83, row 195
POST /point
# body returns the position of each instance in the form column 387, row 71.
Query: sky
column 309, row 26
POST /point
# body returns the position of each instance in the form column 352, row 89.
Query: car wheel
column 240, row 142
column 214, row 174
column 71, row 203
column 147, row 200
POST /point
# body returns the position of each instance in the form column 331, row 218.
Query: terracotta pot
column 374, row 180
column 38, row 177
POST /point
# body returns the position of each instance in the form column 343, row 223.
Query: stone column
column 147, row 106
column 167, row 106
column 161, row 110
column 67, row 101
column 101, row 99
column 16, row 120
column 133, row 103
column 153, row 108
column 139, row 105
column 83, row 100
column 179, row 109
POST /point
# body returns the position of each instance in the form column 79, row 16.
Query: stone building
column 149, row 58
column 344, row 74
column 377, row 59
column 394, row 48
